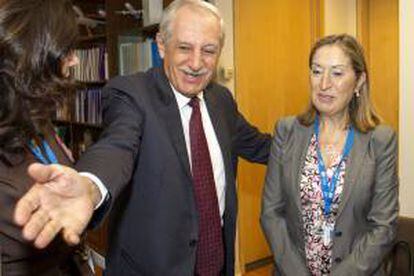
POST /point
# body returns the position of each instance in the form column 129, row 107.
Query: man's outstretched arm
column 61, row 200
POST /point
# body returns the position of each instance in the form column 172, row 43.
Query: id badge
column 327, row 234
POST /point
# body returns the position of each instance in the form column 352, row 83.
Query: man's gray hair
column 170, row 13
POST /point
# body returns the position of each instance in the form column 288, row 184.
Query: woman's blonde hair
column 361, row 110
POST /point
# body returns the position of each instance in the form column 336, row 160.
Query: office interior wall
column 381, row 43
column 272, row 43
column 406, row 111
column 340, row 17
column 225, row 73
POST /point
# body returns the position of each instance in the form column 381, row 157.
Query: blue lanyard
column 50, row 157
column 328, row 189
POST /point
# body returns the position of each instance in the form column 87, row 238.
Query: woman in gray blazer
column 330, row 201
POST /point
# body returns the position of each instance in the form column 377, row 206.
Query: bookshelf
column 78, row 120
column 102, row 28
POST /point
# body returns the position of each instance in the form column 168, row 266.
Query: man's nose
column 196, row 60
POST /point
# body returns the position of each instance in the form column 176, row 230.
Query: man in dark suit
column 168, row 154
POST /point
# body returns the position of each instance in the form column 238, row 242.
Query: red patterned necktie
column 210, row 249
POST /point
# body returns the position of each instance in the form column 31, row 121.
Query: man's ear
column 160, row 45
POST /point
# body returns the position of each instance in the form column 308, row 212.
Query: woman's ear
column 361, row 81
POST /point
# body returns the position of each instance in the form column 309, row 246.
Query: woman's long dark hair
column 35, row 35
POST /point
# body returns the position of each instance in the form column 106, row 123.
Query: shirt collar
column 182, row 100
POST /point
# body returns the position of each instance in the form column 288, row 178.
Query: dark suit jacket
column 367, row 215
column 155, row 223
column 19, row 257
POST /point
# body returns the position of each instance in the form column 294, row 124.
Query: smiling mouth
column 192, row 78
column 194, row 74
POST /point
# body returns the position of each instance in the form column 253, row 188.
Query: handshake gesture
column 60, row 201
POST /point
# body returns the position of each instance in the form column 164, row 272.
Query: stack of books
column 93, row 65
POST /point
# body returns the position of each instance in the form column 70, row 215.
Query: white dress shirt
column 212, row 143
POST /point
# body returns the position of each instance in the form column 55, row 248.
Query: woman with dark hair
column 36, row 38
column 330, row 201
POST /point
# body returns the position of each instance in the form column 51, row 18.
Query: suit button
column 338, row 233
column 338, row 260
column 193, row 243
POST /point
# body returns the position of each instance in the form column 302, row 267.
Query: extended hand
column 60, row 200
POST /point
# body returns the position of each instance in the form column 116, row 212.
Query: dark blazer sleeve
column 273, row 220
column 112, row 157
column 368, row 253
column 249, row 142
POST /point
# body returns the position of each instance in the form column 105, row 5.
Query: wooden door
column 272, row 43
column 377, row 29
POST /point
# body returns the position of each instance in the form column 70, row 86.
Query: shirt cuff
column 102, row 189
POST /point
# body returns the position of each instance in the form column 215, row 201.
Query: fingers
column 26, row 206
column 35, row 225
column 44, row 173
column 42, row 229
column 48, row 207
column 70, row 237
column 74, row 227
column 47, row 234
column 31, row 200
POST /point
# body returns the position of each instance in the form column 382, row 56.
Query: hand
column 61, row 200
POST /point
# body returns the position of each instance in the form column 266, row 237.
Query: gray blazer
column 367, row 216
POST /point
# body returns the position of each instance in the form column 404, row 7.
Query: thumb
column 43, row 173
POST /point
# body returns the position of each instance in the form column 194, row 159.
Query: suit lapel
column 169, row 113
column 353, row 167
column 217, row 113
column 300, row 147
column 217, row 119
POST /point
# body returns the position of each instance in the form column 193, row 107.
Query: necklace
column 331, row 150
column 331, row 153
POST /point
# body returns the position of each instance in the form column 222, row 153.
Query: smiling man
column 191, row 51
column 167, row 160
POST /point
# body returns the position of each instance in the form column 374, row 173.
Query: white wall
column 406, row 121
column 227, row 55
column 340, row 17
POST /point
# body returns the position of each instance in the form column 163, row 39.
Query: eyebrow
column 183, row 42
column 210, row 45
column 180, row 42
column 334, row 66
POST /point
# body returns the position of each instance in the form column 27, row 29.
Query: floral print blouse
column 318, row 254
